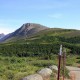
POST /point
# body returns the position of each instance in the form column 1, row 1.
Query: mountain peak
column 32, row 25
column 26, row 30
column 26, row 25
column 29, row 29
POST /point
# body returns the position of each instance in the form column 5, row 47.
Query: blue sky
column 51, row 13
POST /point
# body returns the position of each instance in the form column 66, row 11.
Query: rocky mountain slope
column 26, row 30
column 33, row 32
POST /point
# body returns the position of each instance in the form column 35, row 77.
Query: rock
column 53, row 67
column 45, row 73
column 33, row 77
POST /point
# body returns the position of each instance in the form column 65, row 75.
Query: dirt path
column 74, row 72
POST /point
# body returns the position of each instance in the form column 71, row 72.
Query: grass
column 15, row 68
column 71, row 60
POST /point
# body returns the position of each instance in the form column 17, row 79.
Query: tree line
column 36, row 49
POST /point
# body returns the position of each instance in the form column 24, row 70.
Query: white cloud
column 57, row 16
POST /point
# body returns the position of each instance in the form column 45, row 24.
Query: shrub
column 20, row 75
column 9, row 74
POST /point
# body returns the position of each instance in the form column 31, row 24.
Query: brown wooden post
column 60, row 53
column 59, row 68
column 64, row 62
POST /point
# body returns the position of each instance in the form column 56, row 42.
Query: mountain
column 25, row 31
column 2, row 35
column 37, row 40
column 32, row 32
column 29, row 29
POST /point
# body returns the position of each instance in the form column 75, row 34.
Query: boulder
column 33, row 77
column 45, row 73
column 53, row 67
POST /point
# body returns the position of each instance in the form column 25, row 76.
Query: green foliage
column 65, row 72
column 15, row 68
column 20, row 58
column 20, row 75
column 44, row 46
column 9, row 74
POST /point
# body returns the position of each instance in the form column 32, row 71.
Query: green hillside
column 20, row 57
column 45, row 42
